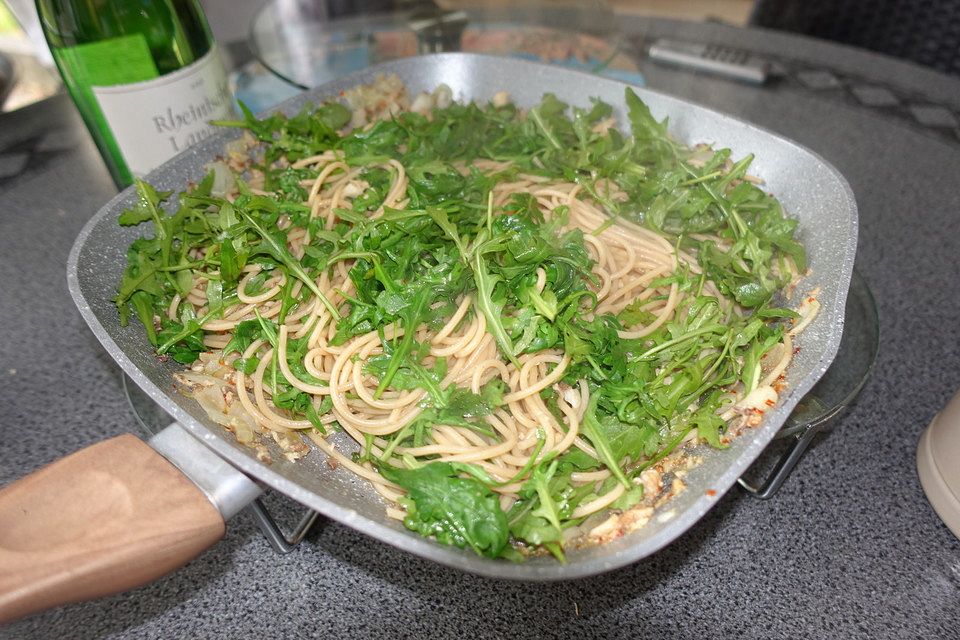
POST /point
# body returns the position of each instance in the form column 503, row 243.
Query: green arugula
column 454, row 510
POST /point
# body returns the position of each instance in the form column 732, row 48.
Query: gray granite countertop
column 849, row 547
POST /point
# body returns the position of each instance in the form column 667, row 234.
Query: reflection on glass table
column 310, row 42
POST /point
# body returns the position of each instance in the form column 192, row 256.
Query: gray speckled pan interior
column 810, row 189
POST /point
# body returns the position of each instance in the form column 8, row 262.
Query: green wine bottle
column 145, row 74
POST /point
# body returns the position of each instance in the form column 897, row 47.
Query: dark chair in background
column 923, row 31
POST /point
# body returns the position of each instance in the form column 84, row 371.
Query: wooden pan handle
column 108, row 518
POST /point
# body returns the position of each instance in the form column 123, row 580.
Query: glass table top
column 310, row 42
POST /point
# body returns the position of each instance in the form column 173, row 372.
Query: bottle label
column 156, row 119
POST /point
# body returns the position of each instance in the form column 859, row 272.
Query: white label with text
column 154, row 120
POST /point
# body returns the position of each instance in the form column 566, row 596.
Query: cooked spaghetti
column 512, row 329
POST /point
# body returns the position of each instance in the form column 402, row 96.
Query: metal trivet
column 280, row 541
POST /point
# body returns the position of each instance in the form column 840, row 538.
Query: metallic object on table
column 280, row 541
column 835, row 391
column 828, row 219
column 438, row 31
column 722, row 61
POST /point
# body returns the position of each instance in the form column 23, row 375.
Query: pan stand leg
column 280, row 541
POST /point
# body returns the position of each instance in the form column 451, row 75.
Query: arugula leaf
column 147, row 207
column 454, row 510
column 624, row 440
column 278, row 249
column 463, row 404
column 436, row 179
column 598, row 437
column 709, row 426
column 491, row 309
column 633, row 314
column 247, row 365
column 143, row 304
column 642, row 122
column 439, row 216
column 540, row 482
column 140, row 275
column 411, row 316
column 408, row 373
